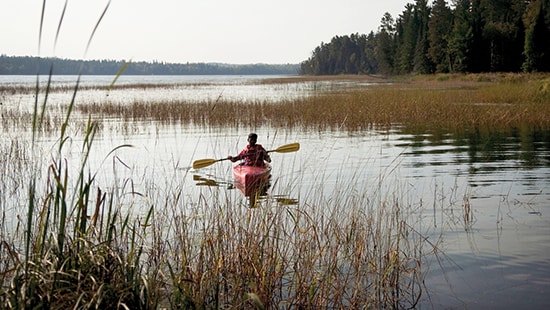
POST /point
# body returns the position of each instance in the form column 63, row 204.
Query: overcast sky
column 227, row 31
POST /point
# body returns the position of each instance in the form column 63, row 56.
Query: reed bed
column 509, row 102
column 452, row 102
column 6, row 90
column 318, row 256
column 87, row 250
column 80, row 245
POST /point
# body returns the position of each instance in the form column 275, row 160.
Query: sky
column 181, row 31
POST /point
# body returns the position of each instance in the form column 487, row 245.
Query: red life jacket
column 253, row 155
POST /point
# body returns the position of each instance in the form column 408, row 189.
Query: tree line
column 28, row 65
column 463, row 36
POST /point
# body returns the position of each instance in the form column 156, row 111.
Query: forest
column 460, row 36
column 29, row 65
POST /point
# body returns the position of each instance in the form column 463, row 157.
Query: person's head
column 252, row 139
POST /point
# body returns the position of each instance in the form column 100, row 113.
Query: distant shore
column 30, row 65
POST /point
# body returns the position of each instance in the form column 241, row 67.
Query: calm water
column 497, row 258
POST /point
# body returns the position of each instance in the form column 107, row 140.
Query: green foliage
column 503, row 33
column 344, row 54
column 537, row 45
column 470, row 36
column 460, row 39
column 421, row 61
column 406, row 40
column 439, row 28
column 384, row 45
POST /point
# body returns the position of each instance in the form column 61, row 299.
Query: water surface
column 483, row 198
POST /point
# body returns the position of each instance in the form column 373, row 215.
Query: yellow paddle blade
column 287, row 148
column 201, row 163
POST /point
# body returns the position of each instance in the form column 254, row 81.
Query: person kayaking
column 253, row 154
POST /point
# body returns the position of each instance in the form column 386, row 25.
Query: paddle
column 287, row 148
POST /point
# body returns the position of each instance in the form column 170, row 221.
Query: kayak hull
column 251, row 179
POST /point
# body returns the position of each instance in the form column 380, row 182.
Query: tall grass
column 86, row 250
column 80, row 246
column 453, row 103
column 76, row 250
column 348, row 253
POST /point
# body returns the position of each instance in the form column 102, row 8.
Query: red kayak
column 250, row 179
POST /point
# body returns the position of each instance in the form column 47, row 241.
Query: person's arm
column 238, row 157
column 266, row 155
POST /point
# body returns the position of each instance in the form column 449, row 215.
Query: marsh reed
column 321, row 256
column 451, row 102
column 83, row 244
column 82, row 247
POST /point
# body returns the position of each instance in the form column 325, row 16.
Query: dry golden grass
column 453, row 102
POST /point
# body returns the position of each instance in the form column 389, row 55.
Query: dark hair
column 253, row 136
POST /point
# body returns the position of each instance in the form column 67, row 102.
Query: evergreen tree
column 439, row 30
column 26, row 65
column 537, row 45
column 412, row 39
column 421, row 61
column 502, row 30
column 469, row 36
column 461, row 38
column 343, row 55
column 406, row 36
column 370, row 65
column 385, row 47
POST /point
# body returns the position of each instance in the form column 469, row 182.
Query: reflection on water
column 482, row 196
column 286, row 201
column 210, row 181
column 525, row 147
column 498, row 251
column 255, row 193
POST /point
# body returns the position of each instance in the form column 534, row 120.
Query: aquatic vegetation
column 85, row 243
column 81, row 245
column 450, row 103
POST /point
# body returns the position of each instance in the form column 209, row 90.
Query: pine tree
column 384, row 50
column 502, row 29
column 537, row 45
column 439, row 30
column 461, row 38
column 406, row 35
column 422, row 62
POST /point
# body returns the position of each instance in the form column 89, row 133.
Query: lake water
column 497, row 256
